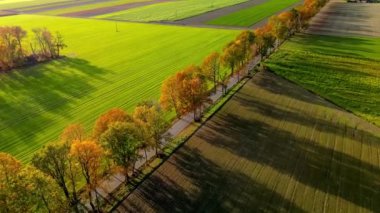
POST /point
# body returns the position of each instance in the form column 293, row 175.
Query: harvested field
column 341, row 18
column 274, row 147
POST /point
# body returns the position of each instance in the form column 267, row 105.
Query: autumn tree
column 47, row 45
column 120, row 139
column 39, row 192
column 88, row 154
column 279, row 29
column 72, row 133
column 245, row 39
column 170, row 97
column 193, row 92
column 211, row 68
column 230, row 56
column 11, row 47
column 151, row 122
column 264, row 40
column 9, row 169
column 290, row 21
column 106, row 119
column 223, row 78
column 54, row 160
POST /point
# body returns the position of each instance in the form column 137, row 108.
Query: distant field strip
column 92, row 6
column 274, row 147
column 14, row 4
column 170, row 11
column 250, row 16
column 104, row 69
column 344, row 70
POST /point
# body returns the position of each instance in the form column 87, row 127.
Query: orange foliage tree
column 186, row 91
column 73, row 132
column 106, row 119
column 88, row 154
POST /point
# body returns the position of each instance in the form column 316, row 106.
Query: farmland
column 13, row 4
column 169, row 11
column 103, row 69
column 250, row 16
column 274, row 147
column 349, row 75
column 85, row 7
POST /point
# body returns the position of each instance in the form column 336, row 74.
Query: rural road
column 115, row 180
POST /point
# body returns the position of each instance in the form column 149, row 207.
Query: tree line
column 187, row 90
column 43, row 46
column 51, row 183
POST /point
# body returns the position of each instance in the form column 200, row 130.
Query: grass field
column 170, row 11
column 250, row 16
column 274, row 147
column 344, row 70
column 89, row 7
column 104, row 69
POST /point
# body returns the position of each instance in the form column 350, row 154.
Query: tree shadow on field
column 206, row 188
column 50, row 88
column 288, row 148
column 343, row 19
column 336, row 46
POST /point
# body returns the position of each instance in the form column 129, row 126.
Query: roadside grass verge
column 344, row 70
column 252, row 15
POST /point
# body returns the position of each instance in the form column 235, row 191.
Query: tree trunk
column 146, row 155
column 91, row 203
column 215, row 84
column 46, row 203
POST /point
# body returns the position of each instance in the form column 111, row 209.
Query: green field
column 274, row 147
column 89, row 7
column 104, row 69
column 170, row 11
column 250, row 16
column 345, row 70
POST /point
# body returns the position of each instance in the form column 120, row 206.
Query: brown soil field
column 346, row 19
column 274, row 147
column 105, row 10
column 7, row 13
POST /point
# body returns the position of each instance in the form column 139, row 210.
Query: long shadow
column 348, row 84
column 29, row 95
column 332, row 171
column 292, row 115
column 338, row 13
column 214, row 189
